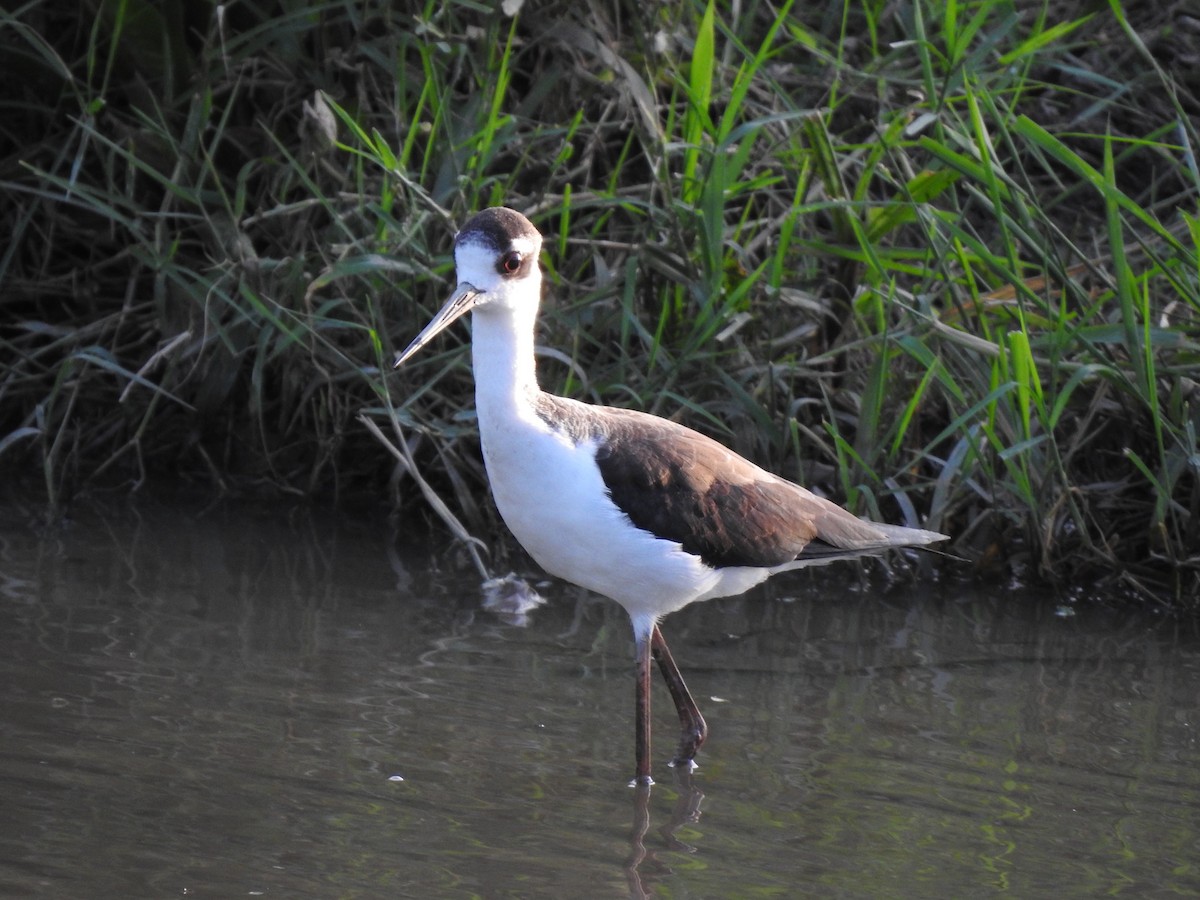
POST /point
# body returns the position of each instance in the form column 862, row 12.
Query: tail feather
column 901, row 536
column 820, row 553
column 864, row 539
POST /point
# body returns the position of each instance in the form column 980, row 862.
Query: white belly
column 552, row 497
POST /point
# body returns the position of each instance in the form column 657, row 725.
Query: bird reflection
column 644, row 867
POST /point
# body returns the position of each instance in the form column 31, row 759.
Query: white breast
column 552, row 497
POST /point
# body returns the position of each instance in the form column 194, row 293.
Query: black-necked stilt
column 634, row 507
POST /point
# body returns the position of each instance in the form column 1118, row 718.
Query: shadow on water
column 241, row 702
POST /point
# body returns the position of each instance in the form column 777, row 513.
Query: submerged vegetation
column 937, row 259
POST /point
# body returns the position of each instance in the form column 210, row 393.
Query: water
column 223, row 703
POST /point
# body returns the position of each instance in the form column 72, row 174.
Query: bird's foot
column 691, row 739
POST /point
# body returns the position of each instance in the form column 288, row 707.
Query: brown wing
column 685, row 487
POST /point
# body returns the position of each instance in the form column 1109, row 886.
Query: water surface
column 257, row 700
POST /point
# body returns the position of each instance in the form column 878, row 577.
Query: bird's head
column 496, row 264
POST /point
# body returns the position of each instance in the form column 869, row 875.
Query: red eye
column 510, row 263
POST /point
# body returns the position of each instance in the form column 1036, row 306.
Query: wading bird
column 626, row 504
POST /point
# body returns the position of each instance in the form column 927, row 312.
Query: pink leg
column 693, row 729
column 642, row 712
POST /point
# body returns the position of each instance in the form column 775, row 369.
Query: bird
column 632, row 506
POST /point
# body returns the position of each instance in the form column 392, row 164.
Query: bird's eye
column 510, row 262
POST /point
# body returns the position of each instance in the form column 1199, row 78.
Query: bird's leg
column 642, row 711
column 692, row 727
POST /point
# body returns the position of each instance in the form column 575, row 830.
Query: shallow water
column 223, row 703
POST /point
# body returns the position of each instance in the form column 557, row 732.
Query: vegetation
column 938, row 259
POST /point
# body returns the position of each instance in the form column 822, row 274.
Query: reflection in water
column 213, row 702
column 644, row 868
column 511, row 598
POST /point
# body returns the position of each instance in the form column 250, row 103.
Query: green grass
column 939, row 260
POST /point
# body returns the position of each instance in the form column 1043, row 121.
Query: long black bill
column 461, row 302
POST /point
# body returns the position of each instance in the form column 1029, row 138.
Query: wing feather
column 685, row 487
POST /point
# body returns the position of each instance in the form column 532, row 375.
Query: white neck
column 502, row 356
